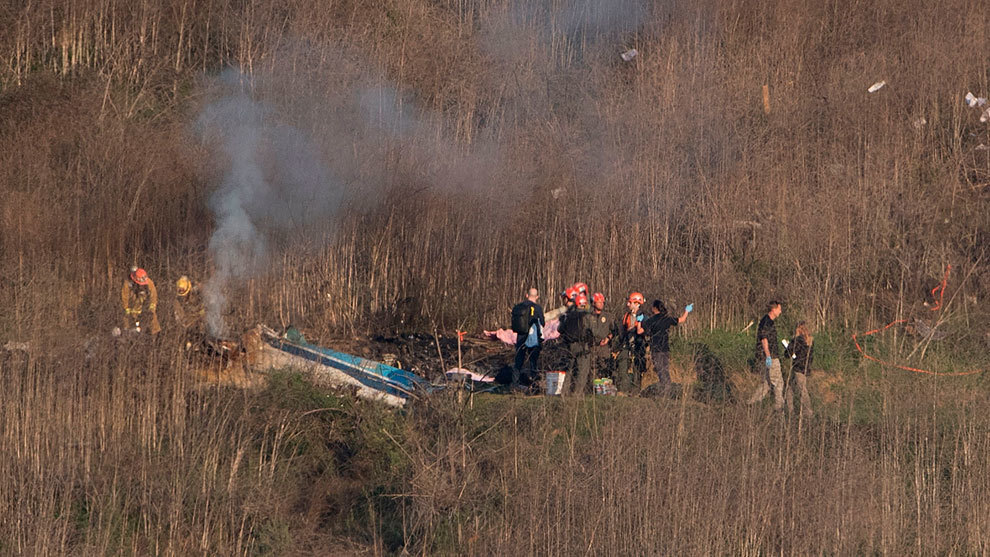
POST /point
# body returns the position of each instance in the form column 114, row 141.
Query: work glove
column 689, row 308
column 769, row 361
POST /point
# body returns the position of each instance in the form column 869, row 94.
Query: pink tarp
column 509, row 337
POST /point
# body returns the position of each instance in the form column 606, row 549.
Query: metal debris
column 629, row 54
column 973, row 101
column 876, row 86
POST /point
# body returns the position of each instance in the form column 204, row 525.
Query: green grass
column 734, row 349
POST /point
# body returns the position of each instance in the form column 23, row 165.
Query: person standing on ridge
column 527, row 322
column 767, row 352
column 575, row 332
column 631, row 360
column 140, row 300
column 657, row 326
column 801, row 353
column 602, row 328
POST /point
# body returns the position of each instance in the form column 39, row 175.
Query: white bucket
column 555, row 382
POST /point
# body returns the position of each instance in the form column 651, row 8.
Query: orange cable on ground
column 941, row 290
column 938, row 305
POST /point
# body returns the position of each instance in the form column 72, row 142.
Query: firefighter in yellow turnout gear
column 140, row 299
column 188, row 305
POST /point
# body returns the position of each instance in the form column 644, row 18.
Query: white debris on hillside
column 973, row 101
column 876, row 86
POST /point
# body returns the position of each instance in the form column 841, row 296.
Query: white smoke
column 274, row 183
column 274, row 178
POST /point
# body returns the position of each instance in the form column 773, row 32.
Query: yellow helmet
column 183, row 285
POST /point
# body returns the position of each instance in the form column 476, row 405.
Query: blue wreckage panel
column 376, row 375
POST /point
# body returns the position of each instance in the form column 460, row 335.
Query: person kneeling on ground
column 800, row 351
column 658, row 328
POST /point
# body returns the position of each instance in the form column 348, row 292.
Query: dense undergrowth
column 420, row 163
column 438, row 157
column 137, row 466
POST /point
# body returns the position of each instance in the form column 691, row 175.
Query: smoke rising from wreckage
column 384, row 175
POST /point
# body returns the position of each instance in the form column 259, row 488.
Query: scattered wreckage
column 266, row 350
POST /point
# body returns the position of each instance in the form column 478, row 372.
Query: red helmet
column 637, row 298
column 580, row 287
column 139, row 276
column 570, row 293
column 581, row 300
column 598, row 298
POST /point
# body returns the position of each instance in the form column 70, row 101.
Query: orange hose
column 938, row 305
column 941, row 290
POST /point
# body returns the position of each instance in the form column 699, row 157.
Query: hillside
column 386, row 171
column 456, row 152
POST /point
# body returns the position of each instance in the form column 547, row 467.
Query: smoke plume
column 274, row 182
column 365, row 136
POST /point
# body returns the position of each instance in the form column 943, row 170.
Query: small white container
column 555, row 382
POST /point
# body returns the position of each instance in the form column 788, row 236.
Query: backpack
column 572, row 327
column 522, row 316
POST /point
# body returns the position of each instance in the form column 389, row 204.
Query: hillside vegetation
column 359, row 167
column 473, row 148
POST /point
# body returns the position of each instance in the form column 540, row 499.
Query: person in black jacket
column 658, row 328
column 575, row 332
column 767, row 353
column 801, row 352
column 631, row 359
column 602, row 327
column 528, row 345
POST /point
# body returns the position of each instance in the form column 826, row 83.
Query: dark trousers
column 527, row 361
column 601, row 362
column 661, row 365
column 630, row 364
column 579, row 374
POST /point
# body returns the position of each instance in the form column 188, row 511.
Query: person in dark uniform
column 631, row 359
column 768, row 353
column 801, row 352
column 657, row 327
column 575, row 332
column 528, row 345
column 602, row 328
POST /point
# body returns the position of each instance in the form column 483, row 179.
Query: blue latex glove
column 769, row 361
column 639, row 317
column 689, row 308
